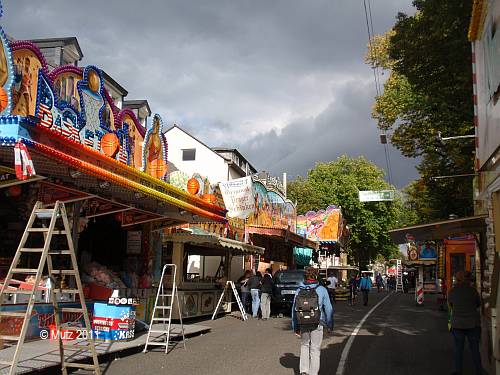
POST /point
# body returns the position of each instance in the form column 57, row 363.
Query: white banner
column 238, row 197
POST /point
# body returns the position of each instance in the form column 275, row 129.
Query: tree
column 339, row 182
column 429, row 90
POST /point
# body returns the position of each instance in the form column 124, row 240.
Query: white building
column 485, row 37
column 190, row 155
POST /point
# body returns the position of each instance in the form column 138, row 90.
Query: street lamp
column 435, row 178
column 441, row 139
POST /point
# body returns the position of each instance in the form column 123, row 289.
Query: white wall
column 207, row 163
column 237, row 267
column 488, row 69
column 234, row 174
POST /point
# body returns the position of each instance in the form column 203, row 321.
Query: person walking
column 254, row 284
column 267, row 290
column 245, row 290
column 311, row 312
column 464, row 302
column 365, row 285
column 331, row 284
column 353, row 287
column 379, row 282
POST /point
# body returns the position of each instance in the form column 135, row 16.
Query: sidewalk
column 42, row 356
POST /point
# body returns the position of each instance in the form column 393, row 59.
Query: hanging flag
column 23, row 163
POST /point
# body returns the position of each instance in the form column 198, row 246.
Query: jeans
column 265, row 305
column 331, row 294
column 255, row 302
column 244, row 299
column 474, row 337
column 310, row 350
column 365, row 296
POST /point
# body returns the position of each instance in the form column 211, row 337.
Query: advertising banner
column 324, row 225
column 238, row 197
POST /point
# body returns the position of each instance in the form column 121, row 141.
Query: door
column 457, row 261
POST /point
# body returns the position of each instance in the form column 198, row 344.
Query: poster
column 134, row 240
column 324, row 225
column 238, row 197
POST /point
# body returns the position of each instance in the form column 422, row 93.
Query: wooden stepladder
column 48, row 222
column 162, row 311
column 236, row 296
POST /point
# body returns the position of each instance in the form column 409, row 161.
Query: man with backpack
column 311, row 312
column 365, row 285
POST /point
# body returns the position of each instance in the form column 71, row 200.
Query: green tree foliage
column 338, row 182
column 429, row 90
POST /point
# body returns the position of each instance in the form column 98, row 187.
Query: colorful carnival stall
column 436, row 251
column 63, row 138
column 329, row 229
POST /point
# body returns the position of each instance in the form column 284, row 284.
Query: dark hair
column 268, row 270
column 258, row 274
column 311, row 273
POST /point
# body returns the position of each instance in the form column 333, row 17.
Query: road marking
column 347, row 347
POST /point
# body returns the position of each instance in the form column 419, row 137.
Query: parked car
column 286, row 283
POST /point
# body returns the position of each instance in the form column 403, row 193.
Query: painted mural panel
column 135, row 141
column 272, row 209
column 154, row 153
column 324, row 225
column 66, row 89
column 85, row 127
column 26, row 66
column 250, row 198
column 6, row 75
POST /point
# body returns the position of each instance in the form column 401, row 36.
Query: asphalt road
column 397, row 338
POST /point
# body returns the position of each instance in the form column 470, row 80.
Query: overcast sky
column 284, row 81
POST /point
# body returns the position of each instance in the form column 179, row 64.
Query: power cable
column 376, row 75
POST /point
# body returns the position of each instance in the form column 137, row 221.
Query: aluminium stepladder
column 236, row 296
column 46, row 255
column 164, row 304
column 399, row 276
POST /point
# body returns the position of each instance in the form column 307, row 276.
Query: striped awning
column 212, row 240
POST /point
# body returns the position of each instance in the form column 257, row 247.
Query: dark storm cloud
column 237, row 73
column 344, row 127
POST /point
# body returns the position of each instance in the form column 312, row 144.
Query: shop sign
column 99, row 207
column 376, row 195
column 270, row 182
column 51, row 193
column 238, row 197
column 135, row 216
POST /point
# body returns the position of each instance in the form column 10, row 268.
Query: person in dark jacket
column 464, row 302
column 254, row 284
column 267, row 290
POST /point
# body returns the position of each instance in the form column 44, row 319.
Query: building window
column 189, row 154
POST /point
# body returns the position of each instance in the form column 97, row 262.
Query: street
column 397, row 338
